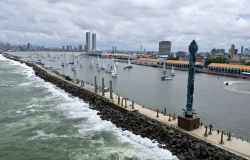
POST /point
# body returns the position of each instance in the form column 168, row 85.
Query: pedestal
column 188, row 124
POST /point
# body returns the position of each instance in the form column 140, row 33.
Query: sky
column 127, row 24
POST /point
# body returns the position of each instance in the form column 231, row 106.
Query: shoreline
column 175, row 140
column 148, row 63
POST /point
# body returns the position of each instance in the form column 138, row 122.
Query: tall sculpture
column 193, row 48
column 187, row 120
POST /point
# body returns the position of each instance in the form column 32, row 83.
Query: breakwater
column 179, row 143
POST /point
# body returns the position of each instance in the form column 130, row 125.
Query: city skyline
column 214, row 26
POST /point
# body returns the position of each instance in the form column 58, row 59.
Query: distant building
column 164, row 48
column 63, row 48
column 237, row 61
column 242, row 48
column 235, row 51
column 28, row 46
column 213, row 52
column 70, row 48
column 181, row 54
column 246, row 51
column 80, row 48
column 94, row 41
column 8, row 45
column 232, row 51
column 67, row 48
column 87, row 42
column 85, row 48
column 115, row 48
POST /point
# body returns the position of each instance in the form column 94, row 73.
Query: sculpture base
column 188, row 123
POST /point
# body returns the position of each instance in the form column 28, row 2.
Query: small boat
column 108, row 71
column 103, row 65
column 166, row 78
column 81, row 64
column 106, row 89
column 172, row 73
column 226, row 83
column 73, row 69
column 39, row 60
column 72, row 62
column 114, row 74
column 129, row 65
column 164, row 69
column 91, row 66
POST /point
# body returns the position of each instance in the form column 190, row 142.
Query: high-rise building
column 87, row 42
column 80, row 48
column 70, row 48
column 164, row 48
column 246, row 51
column 235, row 51
column 242, row 49
column 115, row 48
column 63, row 48
column 28, row 46
column 67, row 48
column 8, row 45
column 93, row 41
column 85, row 48
column 232, row 49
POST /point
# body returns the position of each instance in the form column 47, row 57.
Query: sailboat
column 63, row 62
column 117, row 63
column 73, row 68
column 72, row 61
column 129, row 64
column 99, row 68
column 103, row 65
column 172, row 73
column 98, row 63
column 81, row 64
column 114, row 74
column 164, row 69
column 90, row 66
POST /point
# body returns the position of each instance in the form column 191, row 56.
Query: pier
column 237, row 146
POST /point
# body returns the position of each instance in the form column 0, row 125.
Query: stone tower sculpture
column 193, row 48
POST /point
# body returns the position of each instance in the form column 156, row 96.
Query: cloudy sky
column 127, row 24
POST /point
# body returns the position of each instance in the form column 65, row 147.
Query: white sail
column 164, row 68
column 103, row 65
column 172, row 69
column 114, row 72
column 98, row 61
column 116, row 63
column 92, row 61
column 129, row 64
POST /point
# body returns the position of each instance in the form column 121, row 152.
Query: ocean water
column 40, row 121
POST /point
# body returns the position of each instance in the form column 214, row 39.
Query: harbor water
column 40, row 121
column 226, row 107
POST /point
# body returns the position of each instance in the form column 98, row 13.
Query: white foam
column 233, row 86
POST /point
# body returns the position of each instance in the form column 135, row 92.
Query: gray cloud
column 127, row 24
